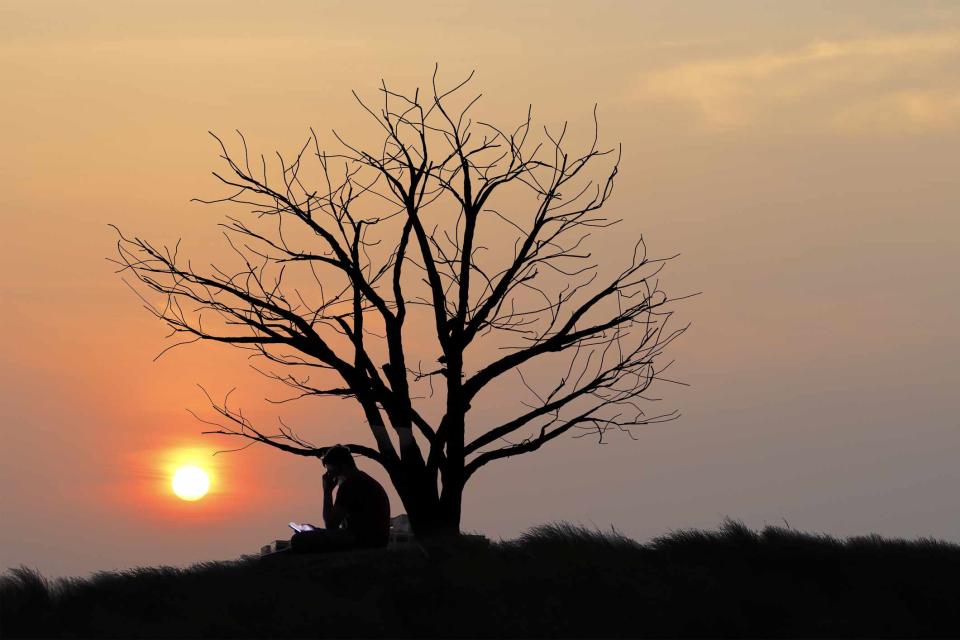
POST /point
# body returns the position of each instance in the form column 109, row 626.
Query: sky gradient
column 802, row 159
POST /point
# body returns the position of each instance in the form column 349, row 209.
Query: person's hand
column 329, row 481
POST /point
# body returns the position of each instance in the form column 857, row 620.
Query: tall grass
column 556, row 580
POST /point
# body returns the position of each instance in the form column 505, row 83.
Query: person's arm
column 332, row 514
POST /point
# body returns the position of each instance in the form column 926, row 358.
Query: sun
column 190, row 483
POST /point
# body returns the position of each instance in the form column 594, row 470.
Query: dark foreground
column 556, row 581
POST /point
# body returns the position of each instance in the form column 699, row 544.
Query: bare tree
column 337, row 262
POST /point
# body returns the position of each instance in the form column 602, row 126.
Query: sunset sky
column 802, row 158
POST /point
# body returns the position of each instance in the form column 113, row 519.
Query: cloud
column 904, row 82
column 902, row 111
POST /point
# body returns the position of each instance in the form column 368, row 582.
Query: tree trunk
column 433, row 525
column 428, row 519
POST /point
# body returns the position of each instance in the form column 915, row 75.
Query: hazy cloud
column 903, row 82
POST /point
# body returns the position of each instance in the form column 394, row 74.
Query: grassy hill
column 555, row 581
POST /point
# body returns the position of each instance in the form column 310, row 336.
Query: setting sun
column 190, row 483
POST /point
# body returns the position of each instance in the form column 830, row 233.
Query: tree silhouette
column 447, row 228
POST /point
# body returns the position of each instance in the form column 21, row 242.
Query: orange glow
column 168, row 484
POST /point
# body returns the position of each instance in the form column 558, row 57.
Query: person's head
column 338, row 461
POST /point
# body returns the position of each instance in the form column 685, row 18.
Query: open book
column 301, row 527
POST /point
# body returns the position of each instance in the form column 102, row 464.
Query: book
column 299, row 528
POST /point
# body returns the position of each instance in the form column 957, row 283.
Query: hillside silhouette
column 554, row 581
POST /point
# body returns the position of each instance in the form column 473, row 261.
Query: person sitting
column 358, row 518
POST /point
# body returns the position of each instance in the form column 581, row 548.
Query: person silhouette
column 359, row 516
